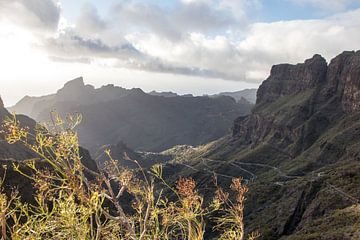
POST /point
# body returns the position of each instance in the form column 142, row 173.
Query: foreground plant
column 74, row 202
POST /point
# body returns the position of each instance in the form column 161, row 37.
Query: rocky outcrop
column 299, row 151
column 73, row 89
column 287, row 79
column 297, row 102
column 343, row 80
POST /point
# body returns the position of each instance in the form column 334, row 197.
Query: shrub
column 71, row 205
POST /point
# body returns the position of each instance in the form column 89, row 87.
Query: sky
column 185, row 46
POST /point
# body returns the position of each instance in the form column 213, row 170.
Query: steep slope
column 144, row 122
column 299, row 151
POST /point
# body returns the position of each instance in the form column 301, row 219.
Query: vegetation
column 74, row 202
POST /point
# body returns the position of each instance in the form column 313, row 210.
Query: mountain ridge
column 299, row 151
column 143, row 121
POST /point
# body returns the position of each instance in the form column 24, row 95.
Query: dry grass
column 71, row 206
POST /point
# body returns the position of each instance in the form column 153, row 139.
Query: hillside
column 144, row 122
column 299, row 152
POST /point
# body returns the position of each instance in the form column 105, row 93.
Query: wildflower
column 185, row 187
column 221, row 195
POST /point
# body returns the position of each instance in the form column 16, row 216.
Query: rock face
column 74, row 89
column 307, row 116
column 310, row 92
column 343, row 80
column 287, row 79
column 300, row 151
column 340, row 78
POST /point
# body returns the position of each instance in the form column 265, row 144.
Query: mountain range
column 143, row 121
column 298, row 149
column 242, row 95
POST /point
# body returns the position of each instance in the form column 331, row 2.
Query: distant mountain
column 74, row 91
column 163, row 94
column 248, row 94
column 299, row 152
column 17, row 152
column 143, row 121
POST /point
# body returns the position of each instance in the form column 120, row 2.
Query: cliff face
column 340, row 78
column 343, row 80
column 297, row 102
column 287, row 79
column 307, row 118
column 299, row 150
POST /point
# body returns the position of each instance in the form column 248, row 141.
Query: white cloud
column 35, row 14
column 295, row 40
column 90, row 22
column 265, row 44
column 192, row 39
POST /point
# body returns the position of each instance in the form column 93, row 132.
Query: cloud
column 90, row 22
column 69, row 47
column 69, row 44
column 295, row 40
column 250, row 59
column 204, row 16
column 208, row 38
column 34, row 14
column 94, row 37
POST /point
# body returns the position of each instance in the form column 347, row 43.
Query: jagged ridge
column 299, row 149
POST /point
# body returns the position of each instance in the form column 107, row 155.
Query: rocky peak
column 75, row 83
column 288, row 79
column 298, row 120
column 74, row 89
column 343, row 80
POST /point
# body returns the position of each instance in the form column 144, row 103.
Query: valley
column 297, row 149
